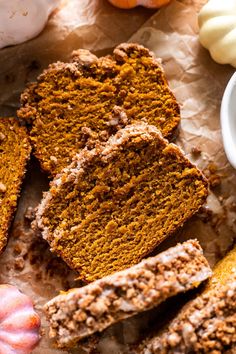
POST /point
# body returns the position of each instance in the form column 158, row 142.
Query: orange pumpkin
column 128, row 4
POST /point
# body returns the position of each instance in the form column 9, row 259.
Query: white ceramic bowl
column 228, row 120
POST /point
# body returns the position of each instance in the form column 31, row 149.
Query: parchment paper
column 198, row 84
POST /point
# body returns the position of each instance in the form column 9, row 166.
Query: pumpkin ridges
column 124, row 4
column 19, row 340
column 128, row 4
column 25, row 318
column 19, row 323
column 217, row 30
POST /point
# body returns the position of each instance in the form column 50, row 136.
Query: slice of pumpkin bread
column 81, row 312
column 14, row 154
column 72, row 101
column 208, row 323
column 114, row 204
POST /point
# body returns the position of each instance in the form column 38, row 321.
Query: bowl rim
column 225, row 119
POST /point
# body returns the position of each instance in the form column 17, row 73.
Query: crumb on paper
column 29, row 214
column 19, row 263
column 196, row 151
column 211, row 173
column 17, row 249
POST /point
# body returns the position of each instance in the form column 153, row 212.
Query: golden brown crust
column 15, row 152
column 83, row 93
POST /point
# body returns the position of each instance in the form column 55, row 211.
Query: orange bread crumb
column 73, row 101
column 114, row 204
column 224, row 269
column 15, row 152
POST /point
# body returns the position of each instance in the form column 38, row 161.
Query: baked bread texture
column 70, row 102
column 82, row 312
column 114, row 204
column 208, row 323
column 14, row 153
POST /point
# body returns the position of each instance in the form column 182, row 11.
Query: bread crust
column 82, row 312
column 83, row 93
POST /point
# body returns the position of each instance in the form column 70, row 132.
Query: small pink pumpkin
column 128, row 4
column 19, row 323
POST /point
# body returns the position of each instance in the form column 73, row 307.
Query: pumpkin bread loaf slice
column 208, row 323
column 82, row 312
column 14, row 154
column 114, row 204
column 72, row 101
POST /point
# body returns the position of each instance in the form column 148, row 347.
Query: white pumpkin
column 217, row 22
column 21, row 20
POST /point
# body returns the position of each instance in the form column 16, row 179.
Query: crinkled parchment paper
column 198, row 83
